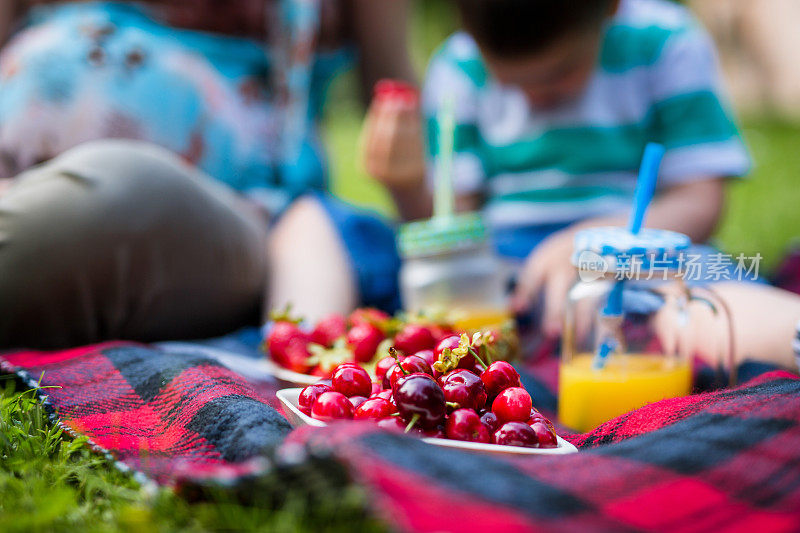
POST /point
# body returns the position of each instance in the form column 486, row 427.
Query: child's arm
column 692, row 208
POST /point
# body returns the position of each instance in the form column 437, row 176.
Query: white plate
column 289, row 398
column 289, row 376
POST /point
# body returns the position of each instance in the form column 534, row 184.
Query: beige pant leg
column 122, row 240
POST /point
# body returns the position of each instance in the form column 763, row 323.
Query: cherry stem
column 411, row 424
column 453, row 405
column 477, row 357
column 393, row 353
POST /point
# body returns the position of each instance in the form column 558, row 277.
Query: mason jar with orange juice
column 630, row 337
column 449, row 267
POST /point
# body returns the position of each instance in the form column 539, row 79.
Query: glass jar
column 450, row 268
column 635, row 331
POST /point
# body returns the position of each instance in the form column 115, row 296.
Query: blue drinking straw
column 645, row 188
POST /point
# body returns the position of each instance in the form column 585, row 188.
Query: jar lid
column 444, row 234
column 611, row 249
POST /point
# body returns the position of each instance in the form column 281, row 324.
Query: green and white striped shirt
column 657, row 79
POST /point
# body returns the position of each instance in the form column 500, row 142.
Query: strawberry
column 329, row 329
column 288, row 346
column 363, row 340
column 414, row 338
column 286, row 343
column 368, row 315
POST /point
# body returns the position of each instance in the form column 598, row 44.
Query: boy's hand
column 548, row 274
column 392, row 139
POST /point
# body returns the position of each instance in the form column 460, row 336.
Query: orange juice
column 479, row 319
column 589, row 397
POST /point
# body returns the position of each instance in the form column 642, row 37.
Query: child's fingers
column 529, row 283
column 555, row 296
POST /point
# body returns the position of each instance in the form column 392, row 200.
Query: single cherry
column 451, row 342
column 386, row 394
column 383, row 366
column 331, row 406
column 351, row 380
column 420, row 400
column 309, row 395
column 414, row 338
column 357, row 401
column 516, row 434
column 498, row 377
column 392, row 423
column 545, row 435
column 512, row 405
column 410, row 365
column 375, row 409
column 489, row 419
column 426, row 355
column 363, row 340
column 464, row 388
column 465, row 424
column 467, row 362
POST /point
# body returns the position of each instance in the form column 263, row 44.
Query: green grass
column 51, row 482
column 763, row 213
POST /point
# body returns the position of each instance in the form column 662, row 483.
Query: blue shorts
column 371, row 246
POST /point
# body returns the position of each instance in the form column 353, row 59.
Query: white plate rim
column 289, row 398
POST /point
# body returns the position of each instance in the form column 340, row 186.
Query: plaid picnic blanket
column 167, row 416
column 726, row 460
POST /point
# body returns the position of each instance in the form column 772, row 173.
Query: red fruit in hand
column 464, row 388
column 489, row 419
column 367, row 315
column 516, row 434
column 545, row 435
column 465, row 424
column 351, row 380
column 329, row 329
column 331, row 406
column 288, row 346
column 309, row 395
column 356, row 401
column 383, row 367
column 498, row 377
column 414, row 338
column 410, row 365
column 418, row 397
column 512, row 405
column 364, row 339
column 375, row 409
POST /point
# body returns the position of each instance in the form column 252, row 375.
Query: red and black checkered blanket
column 726, row 460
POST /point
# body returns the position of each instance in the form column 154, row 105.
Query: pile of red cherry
column 472, row 402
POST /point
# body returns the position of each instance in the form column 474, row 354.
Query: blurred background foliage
column 763, row 212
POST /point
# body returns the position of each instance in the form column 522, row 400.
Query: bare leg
column 309, row 266
column 764, row 321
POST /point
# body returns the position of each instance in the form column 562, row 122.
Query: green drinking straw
column 443, row 196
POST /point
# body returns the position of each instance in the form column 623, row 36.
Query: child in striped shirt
column 554, row 104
